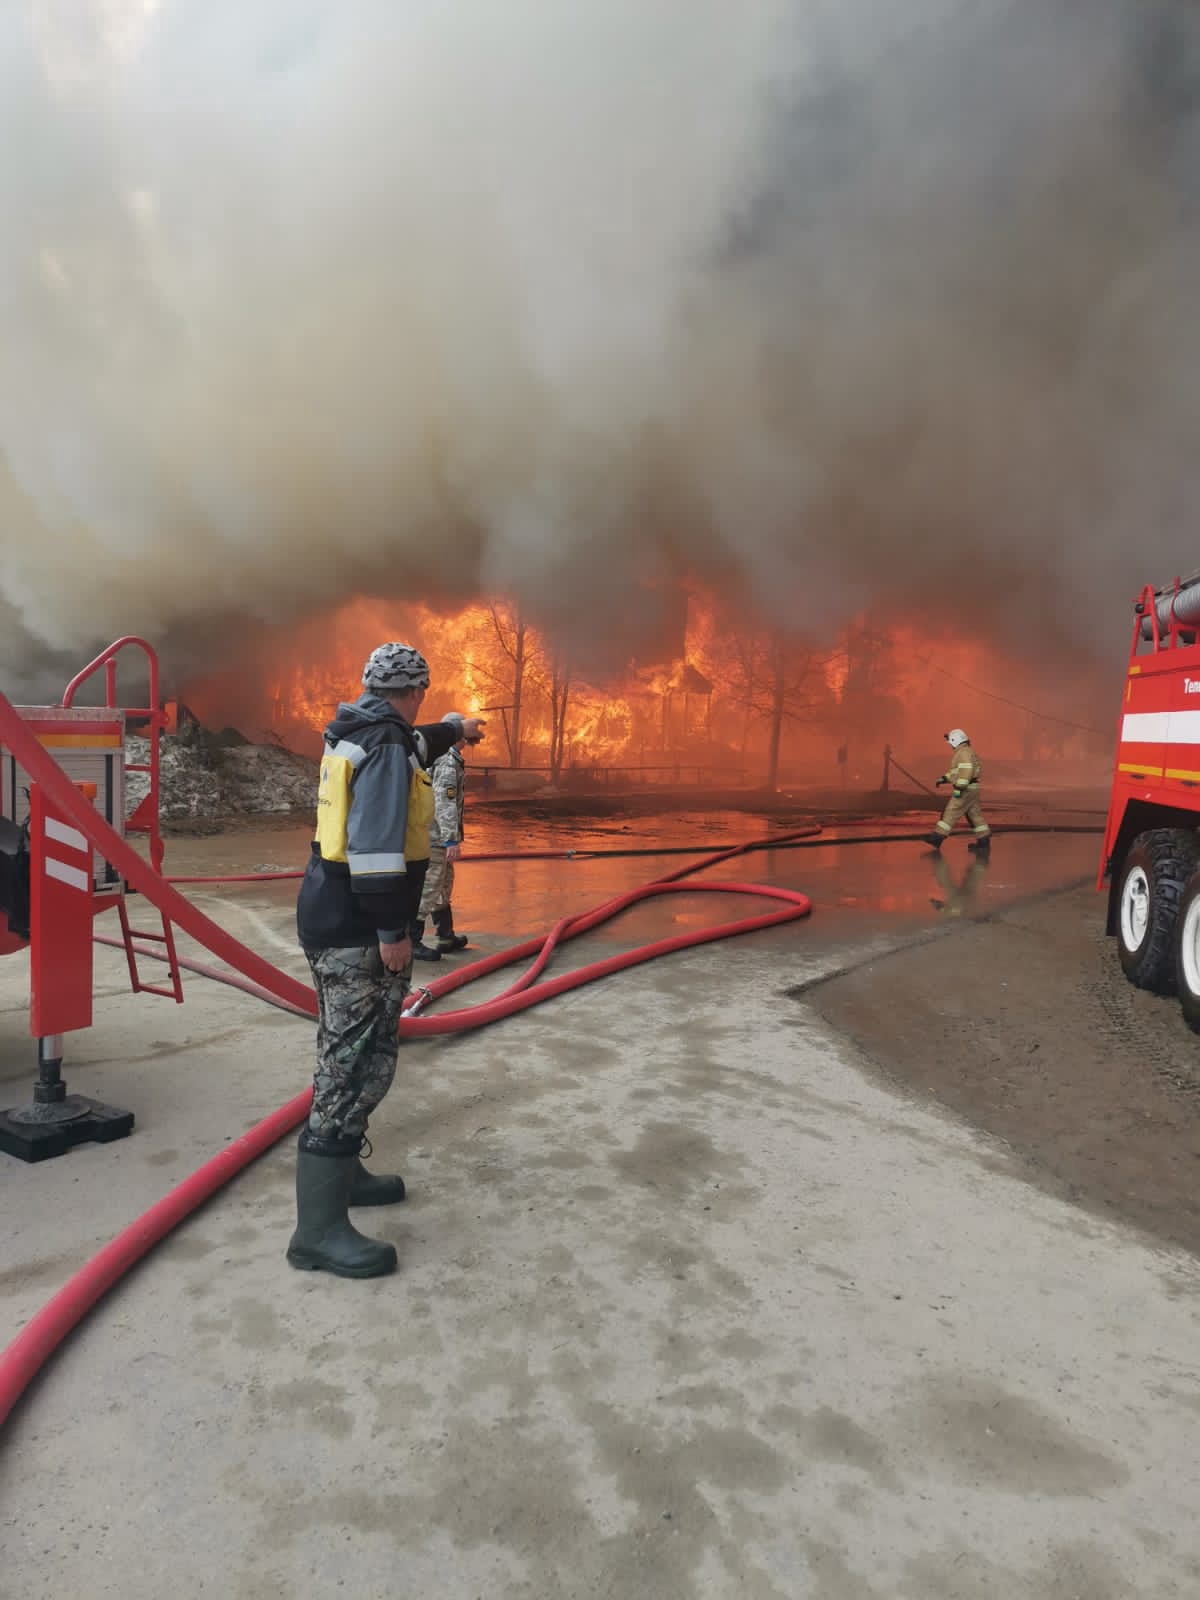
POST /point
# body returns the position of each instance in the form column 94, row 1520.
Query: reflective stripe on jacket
column 374, row 809
column 965, row 769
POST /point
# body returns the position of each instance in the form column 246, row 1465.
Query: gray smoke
column 837, row 303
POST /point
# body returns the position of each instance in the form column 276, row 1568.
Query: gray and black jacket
column 364, row 876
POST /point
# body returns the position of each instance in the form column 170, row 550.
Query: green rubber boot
column 375, row 1189
column 325, row 1240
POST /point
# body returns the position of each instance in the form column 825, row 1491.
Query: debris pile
column 205, row 776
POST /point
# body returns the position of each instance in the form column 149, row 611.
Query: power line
column 1044, row 716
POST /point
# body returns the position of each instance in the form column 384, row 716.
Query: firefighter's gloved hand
column 940, row 782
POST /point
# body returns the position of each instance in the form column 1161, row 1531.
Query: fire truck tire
column 1157, row 869
column 1187, row 953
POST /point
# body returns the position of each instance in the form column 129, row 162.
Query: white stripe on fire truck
column 1144, row 727
column 66, row 874
column 71, row 837
column 1161, row 727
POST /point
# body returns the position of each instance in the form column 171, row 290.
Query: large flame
column 724, row 695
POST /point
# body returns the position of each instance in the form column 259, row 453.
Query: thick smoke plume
column 846, row 304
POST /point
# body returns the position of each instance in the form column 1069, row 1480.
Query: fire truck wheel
column 1159, row 865
column 1187, row 953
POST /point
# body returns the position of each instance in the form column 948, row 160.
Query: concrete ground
column 689, row 1303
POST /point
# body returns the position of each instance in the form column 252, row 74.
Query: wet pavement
column 507, row 828
column 689, row 1303
column 864, row 894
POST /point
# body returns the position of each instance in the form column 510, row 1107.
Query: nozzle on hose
column 417, row 1001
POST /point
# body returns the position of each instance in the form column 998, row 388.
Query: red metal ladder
column 166, row 937
column 146, row 817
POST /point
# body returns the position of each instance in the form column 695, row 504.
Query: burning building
column 739, row 698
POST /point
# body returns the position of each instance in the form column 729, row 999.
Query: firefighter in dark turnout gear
column 360, row 893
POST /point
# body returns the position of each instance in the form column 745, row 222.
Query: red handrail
column 157, row 717
column 1140, row 613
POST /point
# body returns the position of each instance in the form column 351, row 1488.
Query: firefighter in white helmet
column 963, row 775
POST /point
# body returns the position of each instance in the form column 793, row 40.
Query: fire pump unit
column 1151, row 842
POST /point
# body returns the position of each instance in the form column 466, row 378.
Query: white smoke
column 847, row 303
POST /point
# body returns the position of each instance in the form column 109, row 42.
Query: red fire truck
column 1151, row 843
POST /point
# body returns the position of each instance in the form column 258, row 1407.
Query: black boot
column 325, row 1240
column 934, row 839
column 374, row 1189
column 422, row 951
column 982, row 846
column 448, row 941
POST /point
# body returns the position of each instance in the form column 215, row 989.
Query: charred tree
column 560, row 690
column 512, row 637
column 779, row 680
column 778, row 703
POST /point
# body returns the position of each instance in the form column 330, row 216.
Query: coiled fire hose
column 27, row 1353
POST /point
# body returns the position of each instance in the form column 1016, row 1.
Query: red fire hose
column 32, row 1347
column 234, row 980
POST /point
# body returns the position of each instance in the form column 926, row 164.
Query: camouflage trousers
column 439, row 882
column 359, row 1004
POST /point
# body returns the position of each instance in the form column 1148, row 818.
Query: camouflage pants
column 439, row 882
column 359, row 1007
column 964, row 805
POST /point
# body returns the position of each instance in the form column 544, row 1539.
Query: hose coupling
column 418, row 999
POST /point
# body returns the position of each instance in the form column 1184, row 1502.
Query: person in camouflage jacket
column 449, row 775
